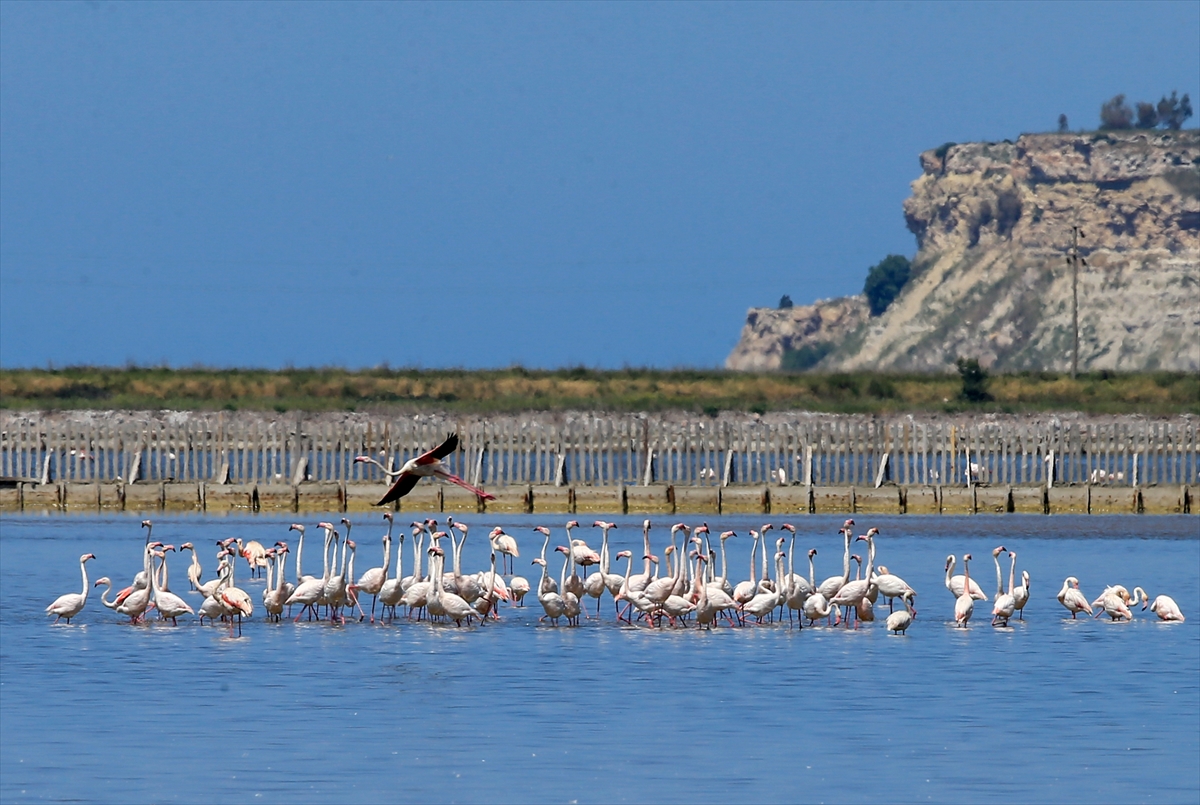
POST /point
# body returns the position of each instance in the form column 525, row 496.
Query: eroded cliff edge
column 993, row 222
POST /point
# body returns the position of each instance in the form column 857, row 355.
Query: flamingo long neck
column 950, row 561
column 348, row 571
column 763, row 556
column 753, row 548
column 646, row 549
column 846, row 558
column 1012, row 572
column 299, row 556
column 811, row 573
column 103, row 596
column 418, row 559
column 966, row 577
column 325, row 556
column 458, row 554
column 546, row 544
column 604, row 562
column 83, row 572
column 791, row 576
column 270, row 575
column 724, row 565
column 870, row 557
column 628, row 567
column 280, row 571
column 387, row 554
column 345, row 544
column 562, row 577
column 154, row 576
column 999, row 576
column 399, row 560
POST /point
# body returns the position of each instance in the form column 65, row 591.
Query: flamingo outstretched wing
column 403, row 485
column 441, row 451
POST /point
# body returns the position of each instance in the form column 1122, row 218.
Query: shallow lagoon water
column 1049, row 710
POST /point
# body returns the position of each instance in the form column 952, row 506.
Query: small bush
column 804, row 358
column 1116, row 114
column 785, row 301
column 1147, row 115
column 1173, row 111
column 881, row 388
column 974, row 381
column 1062, row 124
column 885, row 280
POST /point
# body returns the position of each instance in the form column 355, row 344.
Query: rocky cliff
column 993, row 224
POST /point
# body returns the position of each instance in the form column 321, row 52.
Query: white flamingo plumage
column 427, row 465
column 71, row 604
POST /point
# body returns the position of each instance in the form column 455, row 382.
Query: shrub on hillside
column 885, row 281
column 974, row 380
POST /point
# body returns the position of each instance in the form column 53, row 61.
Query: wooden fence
column 604, row 450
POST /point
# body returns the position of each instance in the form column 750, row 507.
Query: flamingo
column 393, row 589
column 581, row 553
column 550, row 600
column 195, row 572
column 1071, row 597
column 505, row 545
column 300, row 577
column 519, row 586
column 1004, row 603
column 1112, row 602
column 71, row 604
column 443, row 603
column 168, row 604
column 372, row 580
column 764, row 603
column 547, row 584
column 426, row 465
column 955, row 583
column 236, row 601
column 1020, row 593
column 853, row 592
column 743, row 591
column 571, row 606
column 898, row 622
column 1164, row 607
column 964, row 605
column 273, row 600
column 816, row 606
column 308, row 592
column 891, row 586
column 831, row 585
column 134, row 602
column 255, row 555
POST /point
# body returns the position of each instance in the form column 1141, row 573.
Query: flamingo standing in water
column 427, row 465
column 964, row 605
column 898, row 622
column 955, row 584
column 372, row 581
column 505, row 545
column 1072, row 598
column 69, row 605
column 1004, row 603
column 1020, row 593
column 1164, row 607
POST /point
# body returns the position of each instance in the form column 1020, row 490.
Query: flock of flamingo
column 681, row 588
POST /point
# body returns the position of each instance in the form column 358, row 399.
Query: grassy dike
column 520, row 389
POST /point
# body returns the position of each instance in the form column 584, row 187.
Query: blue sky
column 263, row 184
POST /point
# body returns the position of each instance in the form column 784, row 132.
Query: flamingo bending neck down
column 426, row 465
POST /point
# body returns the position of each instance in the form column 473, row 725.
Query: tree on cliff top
column 1116, row 114
column 885, row 281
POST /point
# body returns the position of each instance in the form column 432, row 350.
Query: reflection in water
column 100, row 710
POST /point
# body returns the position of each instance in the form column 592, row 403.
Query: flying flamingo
column 426, row 465
column 71, row 604
column 1071, row 597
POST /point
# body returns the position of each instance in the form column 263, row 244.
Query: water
column 1050, row 710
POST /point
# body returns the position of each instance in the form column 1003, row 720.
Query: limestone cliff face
column 993, row 222
column 770, row 331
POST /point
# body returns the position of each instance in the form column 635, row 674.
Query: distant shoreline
column 700, row 391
